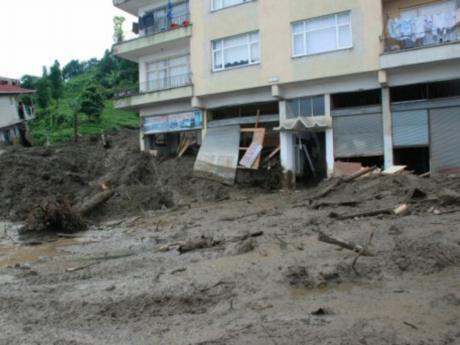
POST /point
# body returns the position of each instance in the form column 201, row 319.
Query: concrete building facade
column 375, row 81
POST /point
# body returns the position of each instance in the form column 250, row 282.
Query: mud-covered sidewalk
column 247, row 269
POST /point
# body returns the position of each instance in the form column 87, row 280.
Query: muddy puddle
column 12, row 255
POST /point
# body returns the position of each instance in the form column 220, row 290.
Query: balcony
column 134, row 47
column 164, row 28
column 133, row 6
column 420, row 34
column 160, row 90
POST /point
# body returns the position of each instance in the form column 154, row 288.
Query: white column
column 287, row 144
column 141, row 134
column 329, row 134
column 330, row 158
column 287, row 140
column 387, row 128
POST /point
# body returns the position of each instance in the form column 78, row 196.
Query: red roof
column 13, row 89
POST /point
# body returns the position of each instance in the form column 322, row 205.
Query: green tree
column 43, row 90
column 118, row 35
column 56, row 82
column 92, row 102
column 29, row 81
column 72, row 69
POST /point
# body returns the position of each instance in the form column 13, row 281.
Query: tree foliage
column 92, row 102
column 118, row 35
column 72, row 69
column 56, row 82
column 43, row 90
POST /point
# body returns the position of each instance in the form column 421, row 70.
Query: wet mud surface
column 254, row 272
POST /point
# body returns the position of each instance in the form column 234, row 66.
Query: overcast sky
column 34, row 33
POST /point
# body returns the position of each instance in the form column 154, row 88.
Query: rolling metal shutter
column 445, row 138
column 358, row 135
column 410, row 128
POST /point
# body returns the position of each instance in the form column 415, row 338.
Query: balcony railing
column 158, row 25
column 156, row 85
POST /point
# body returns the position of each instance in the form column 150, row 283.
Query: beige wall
column 273, row 19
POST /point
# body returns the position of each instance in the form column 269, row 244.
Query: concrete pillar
column 204, row 131
column 287, row 141
column 330, row 158
column 287, row 144
column 142, row 140
column 387, row 128
column 329, row 134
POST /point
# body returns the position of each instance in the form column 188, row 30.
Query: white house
column 13, row 113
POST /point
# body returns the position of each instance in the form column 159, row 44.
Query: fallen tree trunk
column 357, row 248
column 339, row 181
column 94, row 202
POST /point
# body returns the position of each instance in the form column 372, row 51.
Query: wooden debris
column 357, row 248
column 361, row 214
column 402, row 210
column 395, row 170
column 318, row 204
column 94, row 202
column 360, row 173
column 327, row 190
column 75, row 269
column 202, row 243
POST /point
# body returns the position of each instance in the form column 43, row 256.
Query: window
column 236, row 51
column 306, row 106
column 169, row 73
column 219, row 4
column 322, row 34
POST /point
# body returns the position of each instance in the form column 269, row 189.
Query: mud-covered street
column 243, row 267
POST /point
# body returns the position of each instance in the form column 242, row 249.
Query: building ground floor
column 405, row 116
column 12, row 134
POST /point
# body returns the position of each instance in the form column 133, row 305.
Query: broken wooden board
column 258, row 137
column 251, row 155
column 394, row 170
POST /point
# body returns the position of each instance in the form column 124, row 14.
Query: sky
column 34, row 33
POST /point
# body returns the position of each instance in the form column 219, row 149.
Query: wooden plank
column 251, row 155
column 258, row 138
column 395, row 169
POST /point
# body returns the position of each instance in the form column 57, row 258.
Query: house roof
column 10, row 89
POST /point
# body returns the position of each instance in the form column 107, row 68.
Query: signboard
column 187, row 121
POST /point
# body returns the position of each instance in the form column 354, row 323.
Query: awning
column 305, row 123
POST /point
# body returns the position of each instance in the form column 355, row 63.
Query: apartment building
column 374, row 81
column 13, row 113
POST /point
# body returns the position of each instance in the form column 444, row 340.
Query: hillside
column 59, row 88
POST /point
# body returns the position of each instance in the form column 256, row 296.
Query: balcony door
column 168, row 73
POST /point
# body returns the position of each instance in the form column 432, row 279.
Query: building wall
column 273, row 19
column 8, row 111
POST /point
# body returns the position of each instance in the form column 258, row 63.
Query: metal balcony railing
column 154, row 86
column 159, row 25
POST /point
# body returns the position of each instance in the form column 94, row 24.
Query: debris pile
column 79, row 173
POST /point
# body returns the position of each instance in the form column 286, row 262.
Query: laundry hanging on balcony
column 146, row 21
column 431, row 23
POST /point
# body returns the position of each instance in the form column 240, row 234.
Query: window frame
column 213, row 9
column 222, row 49
column 337, row 27
column 167, row 66
column 298, row 101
